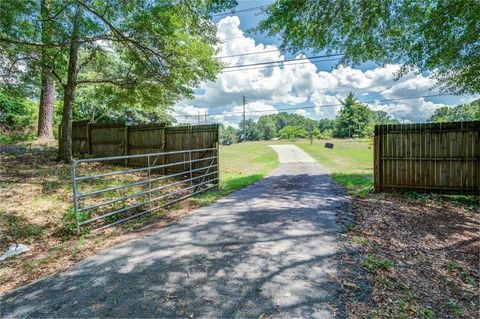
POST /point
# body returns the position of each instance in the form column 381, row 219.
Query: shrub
column 16, row 113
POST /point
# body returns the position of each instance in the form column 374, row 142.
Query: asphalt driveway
column 265, row 251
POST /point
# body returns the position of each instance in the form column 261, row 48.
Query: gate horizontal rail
column 206, row 177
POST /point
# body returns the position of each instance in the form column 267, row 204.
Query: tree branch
column 143, row 48
column 33, row 44
column 117, row 82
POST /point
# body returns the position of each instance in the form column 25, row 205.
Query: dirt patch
column 422, row 257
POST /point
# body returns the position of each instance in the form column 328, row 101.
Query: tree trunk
column 45, row 110
column 47, row 96
column 65, row 142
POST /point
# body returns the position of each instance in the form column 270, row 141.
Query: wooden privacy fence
column 432, row 157
column 102, row 140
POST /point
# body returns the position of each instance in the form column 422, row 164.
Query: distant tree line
column 354, row 120
column 459, row 113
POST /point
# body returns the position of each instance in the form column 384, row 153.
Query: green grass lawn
column 245, row 163
column 240, row 165
column 350, row 161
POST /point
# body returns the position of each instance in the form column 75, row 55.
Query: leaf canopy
column 439, row 36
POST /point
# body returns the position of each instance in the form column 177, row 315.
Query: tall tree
column 266, row 127
column 251, row 130
column 442, row 37
column 156, row 51
column 47, row 92
column 352, row 119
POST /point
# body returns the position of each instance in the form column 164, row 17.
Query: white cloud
column 303, row 84
column 415, row 110
column 252, row 109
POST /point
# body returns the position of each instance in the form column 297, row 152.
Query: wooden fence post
column 125, row 143
column 376, row 159
column 89, row 139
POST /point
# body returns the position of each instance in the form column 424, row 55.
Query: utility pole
column 198, row 117
column 206, row 117
column 244, row 123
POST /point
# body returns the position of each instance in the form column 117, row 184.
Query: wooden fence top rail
column 200, row 127
column 424, row 127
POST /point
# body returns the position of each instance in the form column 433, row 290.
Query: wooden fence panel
column 106, row 140
column 188, row 138
column 80, row 139
column 143, row 140
column 432, row 157
column 101, row 140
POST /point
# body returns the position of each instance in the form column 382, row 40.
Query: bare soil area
column 421, row 255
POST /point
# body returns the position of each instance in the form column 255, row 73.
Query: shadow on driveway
column 265, row 250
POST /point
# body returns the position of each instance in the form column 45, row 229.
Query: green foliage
column 437, row 36
column 267, row 126
column 249, row 130
column 427, row 313
column 353, row 118
column 315, row 133
column 326, row 125
column 459, row 113
column 16, row 112
column 454, row 308
column 373, row 263
column 228, row 135
column 135, row 54
column 292, row 132
column 70, row 220
column 382, row 117
column 452, row 265
column 17, row 119
column 325, row 135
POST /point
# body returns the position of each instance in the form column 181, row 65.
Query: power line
column 330, row 105
column 273, row 66
column 282, row 61
column 244, row 54
column 232, row 38
column 240, row 11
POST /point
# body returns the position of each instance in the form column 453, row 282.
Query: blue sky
column 313, row 89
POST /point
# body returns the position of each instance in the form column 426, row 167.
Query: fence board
column 431, row 157
column 101, row 140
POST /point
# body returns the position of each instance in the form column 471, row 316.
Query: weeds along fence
column 433, row 157
column 124, row 172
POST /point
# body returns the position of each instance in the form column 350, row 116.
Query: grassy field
column 350, row 161
column 244, row 164
column 240, row 165
column 35, row 203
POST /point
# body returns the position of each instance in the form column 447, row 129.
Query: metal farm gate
column 106, row 193
column 128, row 171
